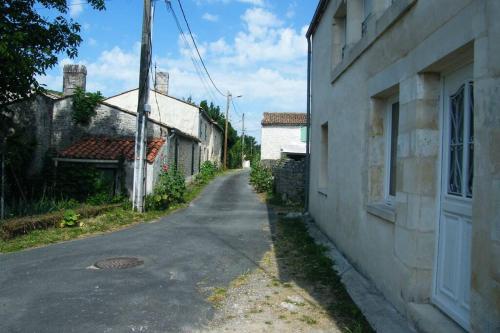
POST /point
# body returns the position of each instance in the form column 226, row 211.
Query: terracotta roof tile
column 104, row 148
column 284, row 118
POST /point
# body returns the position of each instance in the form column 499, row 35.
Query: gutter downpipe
column 308, row 131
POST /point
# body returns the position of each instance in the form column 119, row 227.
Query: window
column 303, row 134
column 339, row 34
column 323, row 169
column 391, row 151
column 367, row 8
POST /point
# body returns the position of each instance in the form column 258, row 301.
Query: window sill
column 383, row 211
column 323, row 191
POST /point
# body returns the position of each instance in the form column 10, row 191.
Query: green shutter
column 303, row 134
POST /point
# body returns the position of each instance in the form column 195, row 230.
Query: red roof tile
column 284, row 118
column 103, row 148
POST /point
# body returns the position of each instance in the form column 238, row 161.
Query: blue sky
column 254, row 48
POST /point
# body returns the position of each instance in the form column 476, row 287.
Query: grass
column 217, row 296
column 115, row 219
column 307, row 264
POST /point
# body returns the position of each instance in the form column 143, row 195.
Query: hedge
column 23, row 225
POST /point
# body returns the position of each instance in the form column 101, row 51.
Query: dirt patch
column 294, row 289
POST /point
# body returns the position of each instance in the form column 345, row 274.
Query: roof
column 156, row 92
column 320, row 10
column 105, row 148
column 284, row 119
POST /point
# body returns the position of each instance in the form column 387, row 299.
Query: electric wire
column 196, row 47
column 197, row 67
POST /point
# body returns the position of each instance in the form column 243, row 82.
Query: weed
column 217, row 296
column 308, row 320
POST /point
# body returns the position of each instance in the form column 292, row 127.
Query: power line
column 196, row 47
column 197, row 67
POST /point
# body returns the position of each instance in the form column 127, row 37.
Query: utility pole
column 243, row 140
column 229, row 96
column 143, row 109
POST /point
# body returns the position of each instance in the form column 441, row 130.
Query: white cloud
column 265, row 62
column 75, row 8
column 210, row 17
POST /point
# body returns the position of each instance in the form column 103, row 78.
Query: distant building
column 283, row 135
column 405, row 157
column 178, row 132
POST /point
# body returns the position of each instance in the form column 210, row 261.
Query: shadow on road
column 302, row 262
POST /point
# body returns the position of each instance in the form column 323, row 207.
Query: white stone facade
column 276, row 140
column 408, row 51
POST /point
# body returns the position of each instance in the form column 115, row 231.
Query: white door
column 452, row 273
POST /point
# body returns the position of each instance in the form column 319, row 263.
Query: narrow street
column 220, row 236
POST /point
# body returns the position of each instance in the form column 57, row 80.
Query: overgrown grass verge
column 115, row 219
column 306, row 263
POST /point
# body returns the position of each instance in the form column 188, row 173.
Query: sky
column 253, row 48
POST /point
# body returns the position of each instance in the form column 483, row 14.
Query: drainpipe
column 308, row 131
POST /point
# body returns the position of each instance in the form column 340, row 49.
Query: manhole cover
column 118, row 263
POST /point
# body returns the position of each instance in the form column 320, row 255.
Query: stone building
column 172, row 130
column 405, row 164
column 283, row 135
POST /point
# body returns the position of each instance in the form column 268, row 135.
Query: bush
column 261, row 178
column 207, row 172
column 70, row 219
column 169, row 190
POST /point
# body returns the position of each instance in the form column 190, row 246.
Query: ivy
column 84, row 105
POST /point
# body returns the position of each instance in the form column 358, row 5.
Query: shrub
column 70, row 219
column 261, row 178
column 169, row 190
column 207, row 172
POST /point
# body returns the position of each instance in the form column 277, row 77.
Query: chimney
column 161, row 82
column 75, row 76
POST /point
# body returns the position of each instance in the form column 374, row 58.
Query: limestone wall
column 407, row 50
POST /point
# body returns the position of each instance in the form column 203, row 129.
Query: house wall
column 107, row 122
column 174, row 113
column 211, row 140
column 274, row 138
column 408, row 47
column 35, row 116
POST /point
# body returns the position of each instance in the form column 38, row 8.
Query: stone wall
column 396, row 247
column 289, row 180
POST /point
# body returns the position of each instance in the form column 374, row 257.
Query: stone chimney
column 161, row 82
column 75, row 76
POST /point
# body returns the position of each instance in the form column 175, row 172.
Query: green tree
column 30, row 43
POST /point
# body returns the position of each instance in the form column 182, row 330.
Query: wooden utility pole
column 243, row 140
column 229, row 96
column 143, row 109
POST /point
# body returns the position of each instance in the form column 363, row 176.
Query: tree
column 30, row 43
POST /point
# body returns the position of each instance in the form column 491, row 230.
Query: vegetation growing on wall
column 84, row 106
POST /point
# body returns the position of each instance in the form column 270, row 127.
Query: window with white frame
column 391, row 150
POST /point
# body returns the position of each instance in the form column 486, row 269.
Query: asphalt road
column 218, row 237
